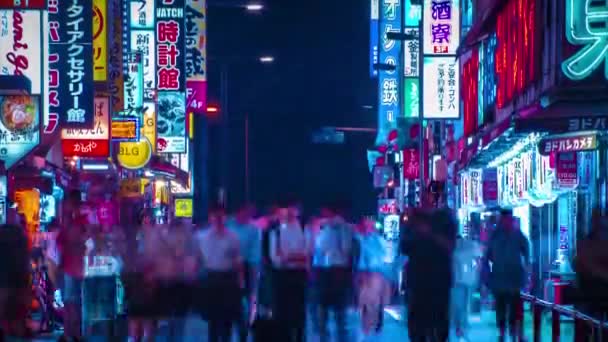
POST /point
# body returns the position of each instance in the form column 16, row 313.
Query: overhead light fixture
column 266, row 59
column 254, row 7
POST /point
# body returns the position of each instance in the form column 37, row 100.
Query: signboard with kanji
column 170, row 45
column 441, row 29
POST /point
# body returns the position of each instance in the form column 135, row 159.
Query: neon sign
column 469, row 92
column 516, row 61
column 582, row 16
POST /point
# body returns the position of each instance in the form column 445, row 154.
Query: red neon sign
column 469, row 91
column 516, row 60
column 86, row 148
column 23, row 4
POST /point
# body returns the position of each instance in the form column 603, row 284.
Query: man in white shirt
column 334, row 244
column 290, row 255
column 222, row 261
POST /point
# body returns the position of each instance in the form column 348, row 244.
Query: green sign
column 585, row 26
column 412, row 98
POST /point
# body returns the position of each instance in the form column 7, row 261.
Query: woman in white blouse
column 290, row 254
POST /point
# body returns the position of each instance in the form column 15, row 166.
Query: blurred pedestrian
column 14, row 282
column 466, row 278
column 290, row 254
column 508, row 254
column 429, row 245
column 222, row 261
column 335, row 242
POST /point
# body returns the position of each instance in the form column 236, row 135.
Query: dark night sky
column 320, row 77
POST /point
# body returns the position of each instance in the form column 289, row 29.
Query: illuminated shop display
column 516, row 54
column 388, row 80
column 583, row 18
column 469, row 92
column 486, row 82
column 542, row 180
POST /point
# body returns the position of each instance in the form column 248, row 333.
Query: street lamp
column 254, row 7
column 266, row 59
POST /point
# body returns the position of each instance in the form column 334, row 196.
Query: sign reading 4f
column 586, row 26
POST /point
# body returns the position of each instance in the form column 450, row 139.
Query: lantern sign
column 71, row 59
column 441, row 88
column 170, row 45
column 196, row 55
column 89, row 142
column 441, row 29
column 582, row 18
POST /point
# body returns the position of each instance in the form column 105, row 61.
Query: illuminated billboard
column 171, row 122
column 441, row 88
column 19, row 127
column 196, row 55
column 170, row 45
column 90, row 142
column 441, row 30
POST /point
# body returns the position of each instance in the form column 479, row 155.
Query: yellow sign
column 100, row 40
column 131, row 187
column 124, row 130
column 134, row 155
column 183, row 207
column 148, row 129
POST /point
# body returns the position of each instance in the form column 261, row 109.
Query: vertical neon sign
column 581, row 17
column 469, row 92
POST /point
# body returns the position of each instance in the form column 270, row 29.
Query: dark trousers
column 335, row 284
column 509, row 311
column 290, row 305
column 223, row 304
column 428, row 315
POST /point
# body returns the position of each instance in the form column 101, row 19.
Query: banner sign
column 374, row 37
column 125, row 129
column 143, row 42
column 441, row 31
column 388, row 80
column 171, row 122
column 441, row 86
column 148, row 127
column 196, row 55
column 141, row 14
column 21, row 45
column 573, row 143
column 170, row 44
column 134, row 87
column 183, row 207
column 71, row 53
column 19, row 127
column 90, row 142
column 566, row 170
column 116, row 58
column 100, row 40
column 23, row 4
column 411, row 164
column 411, row 54
column 411, row 105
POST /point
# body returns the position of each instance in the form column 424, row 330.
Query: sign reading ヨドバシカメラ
column 571, row 143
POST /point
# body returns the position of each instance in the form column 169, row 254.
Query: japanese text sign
column 388, row 80
column 183, row 207
column 116, row 58
column 134, row 88
column 89, row 142
column 196, row 55
column 411, row 164
column 374, row 38
column 441, row 88
column 441, row 29
column 19, row 127
column 411, row 53
column 171, row 122
column 566, row 170
column 21, row 45
column 71, row 61
column 23, row 4
column 585, row 28
column 100, row 40
column 411, row 104
column 170, row 45
column 141, row 14
column 580, row 142
column 125, row 130
column 142, row 41
column 148, row 126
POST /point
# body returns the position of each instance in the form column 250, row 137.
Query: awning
column 484, row 24
column 161, row 166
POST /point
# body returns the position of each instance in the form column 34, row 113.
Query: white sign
column 391, row 227
column 100, row 131
column 441, row 26
column 411, row 55
column 144, row 42
column 142, row 14
column 20, row 46
column 375, row 11
column 441, row 88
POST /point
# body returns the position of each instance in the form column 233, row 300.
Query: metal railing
column 586, row 328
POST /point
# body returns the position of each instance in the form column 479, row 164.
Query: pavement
column 482, row 329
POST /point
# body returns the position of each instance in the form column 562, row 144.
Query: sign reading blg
column 170, row 61
column 71, row 62
column 441, row 72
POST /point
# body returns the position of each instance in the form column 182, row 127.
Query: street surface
column 482, row 329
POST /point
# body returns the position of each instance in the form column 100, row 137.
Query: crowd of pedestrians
column 268, row 277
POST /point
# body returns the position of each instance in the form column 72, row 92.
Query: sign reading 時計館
column 568, row 143
column 71, row 62
column 196, row 55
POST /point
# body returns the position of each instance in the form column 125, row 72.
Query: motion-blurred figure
column 466, row 277
column 508, row 253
